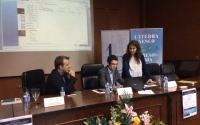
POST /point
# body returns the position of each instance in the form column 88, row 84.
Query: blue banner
column 151, row 41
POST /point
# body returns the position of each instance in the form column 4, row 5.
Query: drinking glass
column 111, row 86
column 114, row 88
column 159, row 81
column 35, row 94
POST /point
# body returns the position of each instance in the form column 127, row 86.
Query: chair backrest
column 190, row 65
column 187, row 68
column 89, row 76
column 34, row 79
column 168, row 69
column 154, row 68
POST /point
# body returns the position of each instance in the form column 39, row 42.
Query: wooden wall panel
column 114, row 19
column 100, row 4
column 78, row 85
column 100, row 23
column 155, row 105
column 181, row 23
column 114, row 4
column 114, row 14
column 130, row 14
column 2, row 88
column 11, row 89
column 177, row 115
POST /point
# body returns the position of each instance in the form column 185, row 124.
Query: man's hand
column 120, row 86
column 71, row 72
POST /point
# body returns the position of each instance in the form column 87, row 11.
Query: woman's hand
column 150, row 81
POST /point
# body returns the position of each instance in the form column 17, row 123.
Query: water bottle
column 165, row 83
column 25, row 103
column 62, row 91
column 26, row 92
column 107, row 90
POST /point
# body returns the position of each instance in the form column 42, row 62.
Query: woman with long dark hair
column 134, row 64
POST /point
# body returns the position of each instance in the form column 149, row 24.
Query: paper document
column 146, row 92
column 189, row 100
column 72, row 94
column 150, row 85
column 100, row 91
column 185, row 81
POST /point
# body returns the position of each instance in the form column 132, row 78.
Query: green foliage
column 126, row 120
column 158, row 122
column 125, row 99
column 92, row 121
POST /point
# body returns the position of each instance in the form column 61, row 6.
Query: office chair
column 168, row 69
column 34, row 79
column 188, row 68
column 154, row 68
column 89, row 76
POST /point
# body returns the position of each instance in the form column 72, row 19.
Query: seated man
column 110, row 74
column 61, row 76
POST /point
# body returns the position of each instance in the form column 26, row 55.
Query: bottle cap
column 25, row 89
column 62, row 88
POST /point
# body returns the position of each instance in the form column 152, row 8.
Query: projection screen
column 34, row 32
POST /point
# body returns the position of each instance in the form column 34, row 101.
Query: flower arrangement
column 123, row 114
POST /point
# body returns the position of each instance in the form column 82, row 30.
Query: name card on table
column 127, row 90
column 21, row 120
column 54, row 101
column 172, row 89
column 172, row 84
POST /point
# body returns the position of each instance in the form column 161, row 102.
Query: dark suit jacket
column 125, row 68
column 55, row 82
column 104, row 77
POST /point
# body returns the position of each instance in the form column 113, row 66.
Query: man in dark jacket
column 61, row 76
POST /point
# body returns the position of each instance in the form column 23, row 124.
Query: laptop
column 137, row 83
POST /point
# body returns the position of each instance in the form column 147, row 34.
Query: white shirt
column 111, row 75
column 135, row 68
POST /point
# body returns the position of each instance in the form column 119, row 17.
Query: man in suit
column 110, row 74
column 61, row 76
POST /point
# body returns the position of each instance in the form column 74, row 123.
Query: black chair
column 34, row 79
column 188, row 68
column 154, row 68
column 168, row 69
column 89, row 76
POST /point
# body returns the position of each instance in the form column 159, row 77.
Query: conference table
column 163, row 105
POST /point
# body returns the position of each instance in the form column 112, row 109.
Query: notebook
column 137, row 83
